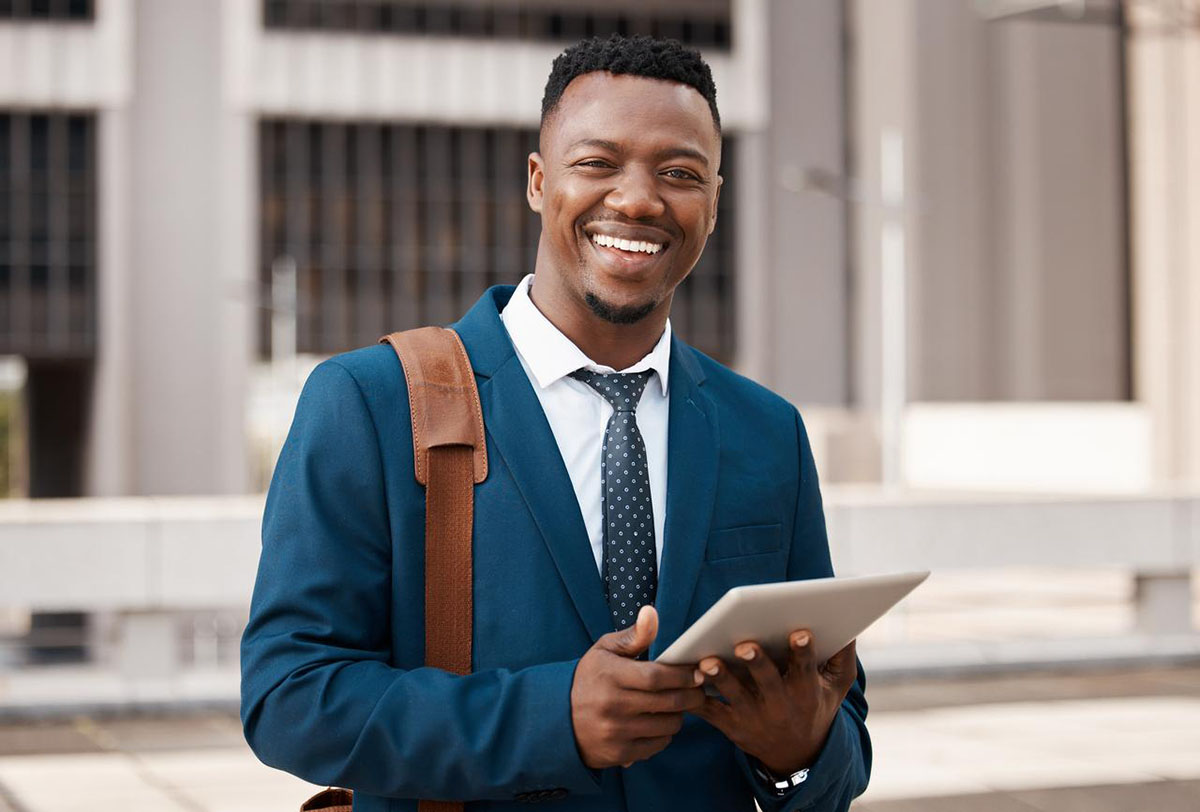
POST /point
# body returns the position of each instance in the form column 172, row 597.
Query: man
column 632, row 481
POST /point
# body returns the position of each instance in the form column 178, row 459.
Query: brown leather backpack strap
column 442, row 395
column 450, row 457
column 330, row 800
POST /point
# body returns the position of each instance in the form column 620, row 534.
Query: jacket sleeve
column 843, row 767
column 320, row 698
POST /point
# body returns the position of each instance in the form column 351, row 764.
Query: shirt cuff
column 824, row 774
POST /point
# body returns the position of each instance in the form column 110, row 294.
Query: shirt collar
column 550, row 355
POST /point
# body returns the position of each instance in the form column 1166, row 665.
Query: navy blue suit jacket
column 333, row 684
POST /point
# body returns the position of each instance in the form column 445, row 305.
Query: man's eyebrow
column 685, row 152
column 611, row 146
column 669, row 152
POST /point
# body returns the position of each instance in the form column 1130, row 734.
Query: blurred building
column 972, row 204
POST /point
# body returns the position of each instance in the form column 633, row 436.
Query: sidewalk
column 1115, row 741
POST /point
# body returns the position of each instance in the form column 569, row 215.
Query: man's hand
column 625, row 710
column 780, row 719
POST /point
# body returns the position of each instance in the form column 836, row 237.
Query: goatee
column 630, row 314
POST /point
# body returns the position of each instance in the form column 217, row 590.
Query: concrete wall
column 793, row 273
column 1013, row 207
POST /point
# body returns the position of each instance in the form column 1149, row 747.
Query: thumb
column 632, row 641
column 842, row 668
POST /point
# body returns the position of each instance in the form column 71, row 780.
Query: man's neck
column 614, row 345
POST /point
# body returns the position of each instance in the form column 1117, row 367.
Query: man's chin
column 618, row 314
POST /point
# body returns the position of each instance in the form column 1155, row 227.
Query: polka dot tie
column 629, row 566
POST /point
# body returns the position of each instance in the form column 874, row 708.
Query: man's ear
column 537, row 176
column 712, row 220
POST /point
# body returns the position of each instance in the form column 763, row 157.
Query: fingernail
column 712, row 670
column 801, row 640
column 746, row 653
column 697, row 677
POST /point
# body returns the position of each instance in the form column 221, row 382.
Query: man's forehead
column 602, row 106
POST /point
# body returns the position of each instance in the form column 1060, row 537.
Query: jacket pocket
column 735, row 542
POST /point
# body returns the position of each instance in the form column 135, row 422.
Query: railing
column 1155, row 536
column 144, row 564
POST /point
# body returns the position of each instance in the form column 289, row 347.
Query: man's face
column 627, row 187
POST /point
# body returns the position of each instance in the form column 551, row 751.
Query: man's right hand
column 624, row 709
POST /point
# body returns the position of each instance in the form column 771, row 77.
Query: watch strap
column 778, row 785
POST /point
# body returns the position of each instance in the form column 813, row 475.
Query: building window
column 67, row 10
column 700, row 23
column 47, row 235
column 393, row 226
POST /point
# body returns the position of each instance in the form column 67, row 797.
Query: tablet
column 836, row 610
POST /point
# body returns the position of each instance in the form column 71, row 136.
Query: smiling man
column 627, row 184
column 632, row 481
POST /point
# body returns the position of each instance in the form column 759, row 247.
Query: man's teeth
column 627, row 245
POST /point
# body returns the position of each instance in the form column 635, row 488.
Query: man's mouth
column 630, row 246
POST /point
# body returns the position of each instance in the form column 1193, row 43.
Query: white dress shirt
column 578, row 414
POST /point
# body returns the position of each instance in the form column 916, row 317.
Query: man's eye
column 680, row 174
column 595, row 162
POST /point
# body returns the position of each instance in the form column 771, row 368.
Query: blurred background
column 963, row 236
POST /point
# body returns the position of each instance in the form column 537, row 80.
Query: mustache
column 662, row 225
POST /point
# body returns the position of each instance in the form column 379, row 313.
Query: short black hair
column 636, row 56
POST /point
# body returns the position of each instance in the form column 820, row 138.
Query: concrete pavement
column 1114, row 741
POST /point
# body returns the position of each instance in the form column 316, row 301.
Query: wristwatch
column 779, row 785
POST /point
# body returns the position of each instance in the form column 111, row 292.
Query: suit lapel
column 693, row 448
column 520, row 432
column 522, row 435
column 514, row 419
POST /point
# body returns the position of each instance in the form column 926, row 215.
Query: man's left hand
column 782, row 719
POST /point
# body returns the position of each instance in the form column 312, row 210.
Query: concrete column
column 191, row 166
column 803, row 189
column 755, row 323
column 1058, row 253
column 883, row 90
column 950, row 188
column 149, row 645
column 110, row 451
column 1164, row 128
column 1163, row 601
column 110, row 456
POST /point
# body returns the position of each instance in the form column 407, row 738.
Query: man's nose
column 636, row 195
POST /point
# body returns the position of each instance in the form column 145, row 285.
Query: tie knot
column 622, row 390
